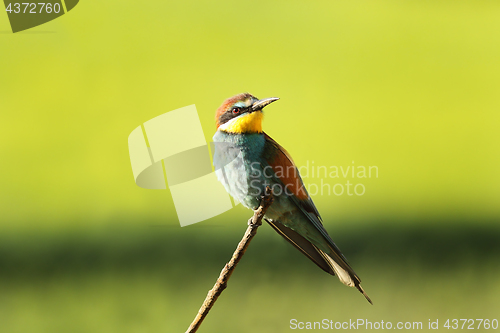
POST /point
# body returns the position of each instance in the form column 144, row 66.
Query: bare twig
column 225, row 274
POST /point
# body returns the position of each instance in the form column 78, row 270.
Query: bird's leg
column 266, row 201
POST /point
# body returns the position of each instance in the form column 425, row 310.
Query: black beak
column 263, row 102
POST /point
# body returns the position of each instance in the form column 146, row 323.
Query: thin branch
column 225, row 274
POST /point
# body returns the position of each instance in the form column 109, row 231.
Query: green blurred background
column 411, row 87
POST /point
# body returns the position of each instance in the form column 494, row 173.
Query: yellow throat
column 246, row 123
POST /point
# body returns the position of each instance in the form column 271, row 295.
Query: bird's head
column 242, row 114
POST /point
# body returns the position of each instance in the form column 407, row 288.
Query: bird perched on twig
column 247, row 160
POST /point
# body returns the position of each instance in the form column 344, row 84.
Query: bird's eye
column 236, row 110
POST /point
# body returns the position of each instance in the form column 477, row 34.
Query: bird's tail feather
column 361, row 290
column 333, row 263
column 344, row 272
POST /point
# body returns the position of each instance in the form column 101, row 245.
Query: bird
column 247, row 160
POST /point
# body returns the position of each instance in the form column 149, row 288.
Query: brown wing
column 302, row 244
column 284, row 168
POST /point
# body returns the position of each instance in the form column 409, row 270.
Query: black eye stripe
column 230, row 114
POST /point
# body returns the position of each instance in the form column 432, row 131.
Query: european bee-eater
column 247, row 160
